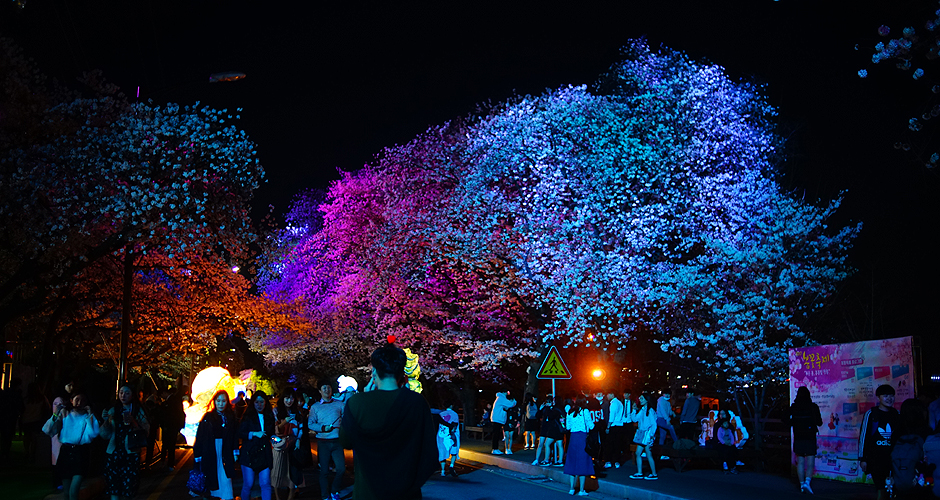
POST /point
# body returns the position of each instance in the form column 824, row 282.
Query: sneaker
column 571, row 492
column 558, row 464
column 497, row 452
column 739, row 462
column 636, row 476
column 803, row 488
column 443, row 473
column 453, row 472
column 608, row 465
column 535, row 462
column 651, row 477
column 808, row 489
column 616, row 465
column 335, row 496
column 582, row 493
column 508, row 451
column 545, row 463
column 643, row 455
column 724, row 465
column 664, row 457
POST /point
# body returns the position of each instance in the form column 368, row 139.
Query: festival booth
column 842, row 379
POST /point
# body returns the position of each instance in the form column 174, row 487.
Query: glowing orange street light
column 599, row 374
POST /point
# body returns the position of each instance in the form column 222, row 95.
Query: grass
column 21, row 480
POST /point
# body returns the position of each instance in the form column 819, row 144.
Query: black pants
column 168, row 446
column 613, row 446
column 497, row 434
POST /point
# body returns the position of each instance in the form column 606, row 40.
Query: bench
column 474, row 431
column 681, row 458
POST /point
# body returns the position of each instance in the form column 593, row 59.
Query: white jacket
column 502, row 403
column 580, row 422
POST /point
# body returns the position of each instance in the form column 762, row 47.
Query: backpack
column 907, row 452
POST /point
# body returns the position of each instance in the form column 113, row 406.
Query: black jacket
column 210, row 428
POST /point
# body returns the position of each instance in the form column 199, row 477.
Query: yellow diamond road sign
column 553, row 366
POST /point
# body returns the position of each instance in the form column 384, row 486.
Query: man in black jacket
column 391, row 432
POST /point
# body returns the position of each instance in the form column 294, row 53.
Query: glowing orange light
column 598, row 374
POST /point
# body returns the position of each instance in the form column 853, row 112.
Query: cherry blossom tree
column 118, row 181
column 646, row 207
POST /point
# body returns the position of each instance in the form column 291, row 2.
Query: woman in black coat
column 805, row 419
column 215, row 447
column 256, row 457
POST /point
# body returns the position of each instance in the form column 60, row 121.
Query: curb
column 592, row 484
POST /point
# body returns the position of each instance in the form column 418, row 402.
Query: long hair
column 268, row 412
column 578, row 405
column 212, row 408
column 802, row 396
column 119, row 406
column 282, row 408
column 649, row 402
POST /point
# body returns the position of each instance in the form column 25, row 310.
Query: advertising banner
column 842, row 379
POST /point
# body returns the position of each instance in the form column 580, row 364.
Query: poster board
column 842, row 379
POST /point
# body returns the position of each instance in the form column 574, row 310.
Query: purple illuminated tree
column 647, row 206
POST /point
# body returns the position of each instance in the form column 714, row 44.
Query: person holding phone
column 75, row 428
column 122, row 468
column 286, row 471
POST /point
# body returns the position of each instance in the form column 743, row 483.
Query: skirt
column 122, row 472
column 577, row 461
column 225, row 490
column 280, row 470
column 73, row 460
column 804, row 447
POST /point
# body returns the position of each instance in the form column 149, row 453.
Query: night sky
column 328, row 86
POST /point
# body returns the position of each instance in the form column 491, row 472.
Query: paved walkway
column 695, row 484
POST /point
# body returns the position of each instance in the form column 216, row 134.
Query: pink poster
column 842, row 379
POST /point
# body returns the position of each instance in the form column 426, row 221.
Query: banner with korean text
column 842, row 379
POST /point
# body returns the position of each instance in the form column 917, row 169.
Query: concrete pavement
column 695, row 484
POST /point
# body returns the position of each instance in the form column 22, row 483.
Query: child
column 874, row 440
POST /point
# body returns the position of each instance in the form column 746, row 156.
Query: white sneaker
column 664, row 457
column 616, row 465
column 508, row 451
column 643, row 455
column 740, row 462
column 535, row 462
column 497, row 452
column 582, row 493
column 808, row 489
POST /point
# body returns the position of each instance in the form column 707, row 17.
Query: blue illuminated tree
column 646, row 207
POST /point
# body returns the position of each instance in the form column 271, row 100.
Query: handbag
column 592, row 445
column 136, row 439
column 259, row 455
column 197, row 481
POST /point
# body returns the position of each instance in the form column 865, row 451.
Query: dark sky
column 329, row 86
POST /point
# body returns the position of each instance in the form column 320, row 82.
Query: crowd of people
column 398, row 440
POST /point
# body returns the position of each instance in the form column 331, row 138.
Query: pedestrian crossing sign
column 553, row 366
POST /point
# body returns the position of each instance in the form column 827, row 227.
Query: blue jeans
column 663, row 427
column 330, row 449
column 264, row 481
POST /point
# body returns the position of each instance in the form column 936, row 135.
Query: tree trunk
column 759, row 415
column 468, row 398
column 126, row 312
column 532, row 382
